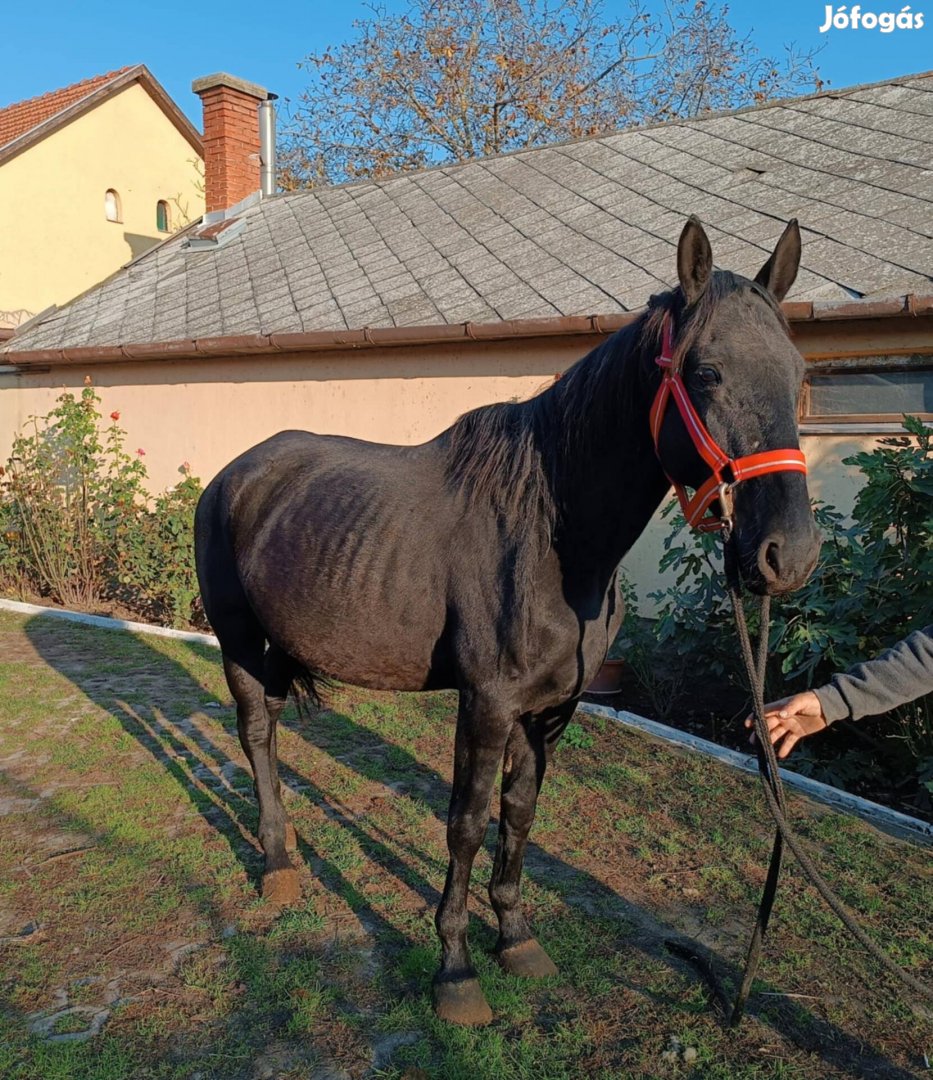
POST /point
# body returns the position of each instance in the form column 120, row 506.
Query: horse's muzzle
column 782, row 562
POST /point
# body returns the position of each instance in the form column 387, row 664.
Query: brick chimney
column 231, row 138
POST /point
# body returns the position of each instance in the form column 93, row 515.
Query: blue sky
column 49, row 45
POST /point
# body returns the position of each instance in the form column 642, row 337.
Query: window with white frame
column 113, row 211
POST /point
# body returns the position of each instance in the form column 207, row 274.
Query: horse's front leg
column 481, row 737
column 527, row 754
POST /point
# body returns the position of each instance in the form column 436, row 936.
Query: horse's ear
column 694, row 260
column 778, row 273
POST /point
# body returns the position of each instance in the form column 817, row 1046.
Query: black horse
column 486, row 560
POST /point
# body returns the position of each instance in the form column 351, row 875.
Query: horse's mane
column 494, row 455
column 511, row 457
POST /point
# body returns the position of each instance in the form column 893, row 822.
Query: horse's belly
column 364, row 645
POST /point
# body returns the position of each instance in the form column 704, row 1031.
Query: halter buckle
column 726, row 508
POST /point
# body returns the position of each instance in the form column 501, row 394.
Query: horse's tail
column 307, row 686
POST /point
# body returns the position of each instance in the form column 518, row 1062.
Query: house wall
column 207, row 411
column 55, row 241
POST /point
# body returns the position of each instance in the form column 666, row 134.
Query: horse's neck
column 610, row 483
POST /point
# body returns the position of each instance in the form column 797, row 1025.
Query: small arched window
column 112, row 208
column 163, row 219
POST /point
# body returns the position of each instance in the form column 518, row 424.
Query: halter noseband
column 726, row 471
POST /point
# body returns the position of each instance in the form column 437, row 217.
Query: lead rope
column 771, row 779
column 774, row 796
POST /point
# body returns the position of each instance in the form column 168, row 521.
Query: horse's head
column 742, row 375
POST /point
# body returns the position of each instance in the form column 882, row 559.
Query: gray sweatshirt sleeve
column 900, row 674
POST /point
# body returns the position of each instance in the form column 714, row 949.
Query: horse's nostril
column 769, row 559
column 772, row 556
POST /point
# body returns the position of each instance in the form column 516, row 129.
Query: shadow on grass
column 144, row 690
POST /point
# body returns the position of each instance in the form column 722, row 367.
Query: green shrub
column 77, row 525
column 693, row 633
column 157, row 574
column 69, row 489
column 873, row 585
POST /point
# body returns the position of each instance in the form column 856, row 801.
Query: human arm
column 895, row 677
column 900, row 674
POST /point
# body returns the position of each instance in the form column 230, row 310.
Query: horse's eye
column 708, row 376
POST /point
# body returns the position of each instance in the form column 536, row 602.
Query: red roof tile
column 23, row 116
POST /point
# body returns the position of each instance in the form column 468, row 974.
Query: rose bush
column 78, row 526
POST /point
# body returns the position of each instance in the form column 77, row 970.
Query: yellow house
column 91, row 176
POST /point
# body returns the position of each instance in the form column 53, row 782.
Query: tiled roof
column 23, row 116
column 577, row 228
column 26, row 123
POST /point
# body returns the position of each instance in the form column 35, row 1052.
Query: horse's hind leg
column 481, row 737
column 244, row 667
column 527, row 753
column 278, row 672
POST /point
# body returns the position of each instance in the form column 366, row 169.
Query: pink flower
column 141, row 452
column 115, row 415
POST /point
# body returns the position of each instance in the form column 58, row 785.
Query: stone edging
column 880, row 816
column 104, row 623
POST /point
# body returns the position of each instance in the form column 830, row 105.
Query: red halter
column 696, row 507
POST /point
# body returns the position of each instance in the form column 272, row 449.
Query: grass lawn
column 129, row 907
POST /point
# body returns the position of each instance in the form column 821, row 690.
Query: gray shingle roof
column 577, row 228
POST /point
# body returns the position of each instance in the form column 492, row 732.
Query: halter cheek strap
column 725, row 472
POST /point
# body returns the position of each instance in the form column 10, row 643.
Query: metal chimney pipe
column 267, row 172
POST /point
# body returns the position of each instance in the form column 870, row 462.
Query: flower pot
column 609, row 679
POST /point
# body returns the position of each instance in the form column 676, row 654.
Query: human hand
column 791, row 719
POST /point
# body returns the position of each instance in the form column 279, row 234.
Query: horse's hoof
column 528, row 960
column 281, row 887
column 462, row 1003
column 291, row 837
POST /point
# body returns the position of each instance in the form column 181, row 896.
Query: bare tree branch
column 449, row 81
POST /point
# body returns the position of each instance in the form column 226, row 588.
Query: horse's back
column 292, row 464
